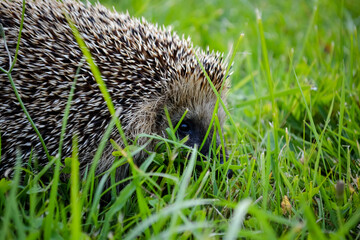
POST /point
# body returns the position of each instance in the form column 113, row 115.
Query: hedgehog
column 146, row 68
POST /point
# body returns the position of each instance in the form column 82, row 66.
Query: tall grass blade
column 237, row 219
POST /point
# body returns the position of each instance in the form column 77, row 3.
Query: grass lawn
column 292, row 135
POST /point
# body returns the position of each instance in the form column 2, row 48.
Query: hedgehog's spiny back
column 140, row 63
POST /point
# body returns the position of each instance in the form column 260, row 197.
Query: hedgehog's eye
column 184, row 127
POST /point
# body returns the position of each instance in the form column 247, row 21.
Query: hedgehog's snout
column 196, row 133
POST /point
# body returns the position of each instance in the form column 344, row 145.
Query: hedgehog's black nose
column 196, row 134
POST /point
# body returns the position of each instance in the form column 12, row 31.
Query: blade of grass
column 165, row 212
column 75, row 198
column 250, row 178
column 268, row 232
column 143, row 205
column 237, row 219
column 341, row 121
column 11, row 210
column 184, row 182
column 93, row 214
column 120, row 202
column 314, row 230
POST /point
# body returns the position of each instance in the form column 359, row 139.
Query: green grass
column 292, row 134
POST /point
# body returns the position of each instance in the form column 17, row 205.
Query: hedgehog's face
column 197, row 121
column 196, row 130
column 198, row 100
